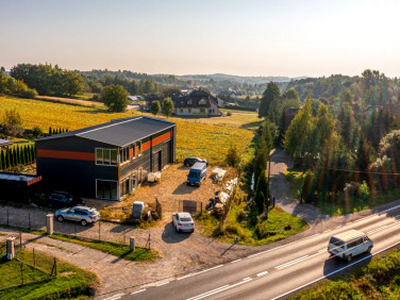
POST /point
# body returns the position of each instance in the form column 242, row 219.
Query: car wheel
column 60, row 218
column 83, row 222
column 349, row 258
column 187, row 165
column 192, row 231
column 369, row 249
column 176, row 229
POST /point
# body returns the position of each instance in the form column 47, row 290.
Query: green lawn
column 121, row 251
column 278, row 226
column 71, row 282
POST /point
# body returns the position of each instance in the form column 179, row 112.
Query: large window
column 139, row 145
column 106, row 157
column 124, row 154
column 107, row 190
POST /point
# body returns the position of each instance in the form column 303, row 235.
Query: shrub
column 37, row 131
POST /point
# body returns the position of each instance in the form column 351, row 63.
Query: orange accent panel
column 162, row 138
column 66, row 154
column 145, row 146
column 130, row 152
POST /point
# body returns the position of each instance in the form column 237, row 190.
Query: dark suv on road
column 190, row 161
column 64, row 199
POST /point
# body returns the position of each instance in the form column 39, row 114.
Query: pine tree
column 50, row 131
column 8, row 158
column 17, row 156
column 23, row 158
column 33, row 153
column 27, row 154
column 3, row 160
column 261, row 192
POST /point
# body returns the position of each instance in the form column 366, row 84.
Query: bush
column 28, row 93
column 229, row 114
column 37, row 131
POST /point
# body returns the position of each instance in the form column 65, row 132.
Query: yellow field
column 207, row 138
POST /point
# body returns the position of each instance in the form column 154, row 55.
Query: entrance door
column 158, row 161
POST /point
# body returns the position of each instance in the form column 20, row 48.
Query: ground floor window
column 133, row 182
column 106, row 189
column 125, row 187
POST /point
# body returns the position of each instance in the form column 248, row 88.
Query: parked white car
column 183, row 222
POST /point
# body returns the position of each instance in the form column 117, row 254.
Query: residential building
column 106, row 161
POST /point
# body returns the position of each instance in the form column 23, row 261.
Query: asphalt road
column 277, row 272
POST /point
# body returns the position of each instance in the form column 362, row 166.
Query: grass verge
column 278, row 226
column 379, row 280
column 118, row 250
column 72, row 282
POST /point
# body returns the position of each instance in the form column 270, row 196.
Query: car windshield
column 336, row 242
column 185, row 219
column 194, row 175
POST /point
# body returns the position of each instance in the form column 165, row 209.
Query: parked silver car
column 83, row 214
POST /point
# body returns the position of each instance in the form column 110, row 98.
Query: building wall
column 70, row 163
column 208, row 111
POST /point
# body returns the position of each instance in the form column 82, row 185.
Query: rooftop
column 119, row 132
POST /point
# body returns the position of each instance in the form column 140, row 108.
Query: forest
column 344, row 138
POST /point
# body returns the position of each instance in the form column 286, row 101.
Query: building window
column 133, row 182
column 202, row 102
column 124, row 154
column 210, row 111
column 106, row 189
column 124, row 188
column 189, row 110
column 202, row 111
column 139, row 146
column 181, row 111
column 106, row 157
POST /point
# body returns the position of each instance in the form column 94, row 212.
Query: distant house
column 5, row 143
column 289, row 115
column 197, row 103
column 220, row 102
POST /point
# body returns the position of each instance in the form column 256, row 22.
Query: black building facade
column 106, row 161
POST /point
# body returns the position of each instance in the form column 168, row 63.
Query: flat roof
column 14, row 177
column 120, row 132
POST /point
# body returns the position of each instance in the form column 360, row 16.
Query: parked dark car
column 190, row 161
column 64, row 199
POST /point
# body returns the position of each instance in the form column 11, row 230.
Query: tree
column 12, row 122
column 155, row 107
column 232, row 157
column 115, row 97
column 290, row 94
column 261, row 192
column 298, row 132
column 270, row 94
column 168, row 107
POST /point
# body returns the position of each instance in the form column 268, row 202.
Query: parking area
column 170, row 192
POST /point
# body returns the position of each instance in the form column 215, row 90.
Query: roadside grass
column 378, row 280
column 239, row 111
column 116, row 249
column 278, row 226
column 210, row 140
column 72, row 282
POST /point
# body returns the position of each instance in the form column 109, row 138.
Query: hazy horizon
column 243, row 38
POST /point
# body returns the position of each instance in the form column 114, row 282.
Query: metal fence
column 28, row 267
column 35, row 219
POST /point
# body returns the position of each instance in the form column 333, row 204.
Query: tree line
column 17, row 156
column 342, row 149
column 15, row 87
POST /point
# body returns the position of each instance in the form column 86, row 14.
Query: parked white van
column 348, row 244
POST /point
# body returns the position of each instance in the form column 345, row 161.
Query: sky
column 249, row 38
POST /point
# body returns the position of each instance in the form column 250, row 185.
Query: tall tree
column 155, row 107
column 115, row 97
column 168, row 107
column 270, row 94
column 12, row 122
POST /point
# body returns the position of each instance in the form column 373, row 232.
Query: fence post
column 132, row 243
column 99, row 231
column 50, row 222
column 10, row 248
column 20, row 240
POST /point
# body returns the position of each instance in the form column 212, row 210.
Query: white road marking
column 221, row 289
column 203, row 271
column 292, row 262
column 235, row 261
column 334, row 272
column 139, row 291
column 115, row 297
column 322, row 251
column 163, row 283
column 266, row 251
column 380, row 228
column 262, row 273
